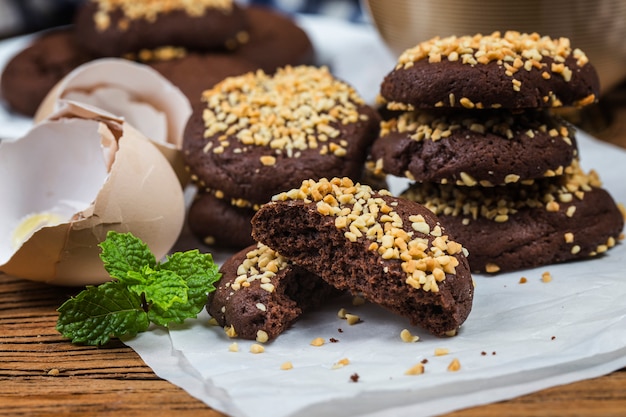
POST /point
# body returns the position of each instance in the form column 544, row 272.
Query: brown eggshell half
column 136, row 92
column 119, row 179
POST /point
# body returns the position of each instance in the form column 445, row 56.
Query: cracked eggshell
column 69, row 181
column 136, row 92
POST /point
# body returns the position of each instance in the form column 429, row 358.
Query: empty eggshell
column 71, row 179
column 136, row 92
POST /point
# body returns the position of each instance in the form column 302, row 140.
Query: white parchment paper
column 519, row 338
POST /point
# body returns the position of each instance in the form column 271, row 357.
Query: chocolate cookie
column 257, row 135
column 116, row 27
column 220, row 222
column 519, row 226
column 30, row 75
column 275, row 40
column 392, row 251
column 486, row 147
column 261, row 294
column 512, row 71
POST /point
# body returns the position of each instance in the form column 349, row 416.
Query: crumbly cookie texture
column 261, row 293
column 360, row 213
column 391, row 251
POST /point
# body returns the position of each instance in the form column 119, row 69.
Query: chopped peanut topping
column 261, row 336
column 295, row 109
column 149, row 9
column 261, row 264
column 513, row 51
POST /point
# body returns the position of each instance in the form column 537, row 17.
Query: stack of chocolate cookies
column 193, row 44
column 469, row 122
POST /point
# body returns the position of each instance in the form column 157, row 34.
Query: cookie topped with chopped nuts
column 119, row 27
column 511, row 70
column 391, row 251
column 518, row 226
column 258, row 134
column 261, row 294
column 472, row 147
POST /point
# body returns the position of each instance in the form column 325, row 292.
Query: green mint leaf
column 177, row 313
column 100, row 313
column 142, row 291
column 123, row 253
column 161, row 288
column 200, row 273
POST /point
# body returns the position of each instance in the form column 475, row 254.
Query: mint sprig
column 142, row 291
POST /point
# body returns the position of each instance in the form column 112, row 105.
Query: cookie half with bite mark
column 391, row 251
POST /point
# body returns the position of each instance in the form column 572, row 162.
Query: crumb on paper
column 415, row 370
column 256, row 348
column 523, row 280
column 546, row 277
column 286, row 366
column 354, row 377
column 441, row 351
column 407, row 337
column 454, row 366
column 352, row 319
column 341, row 363
column 318, row 341
column 233, row 347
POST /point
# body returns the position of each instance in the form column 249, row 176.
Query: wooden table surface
column 42, row 374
